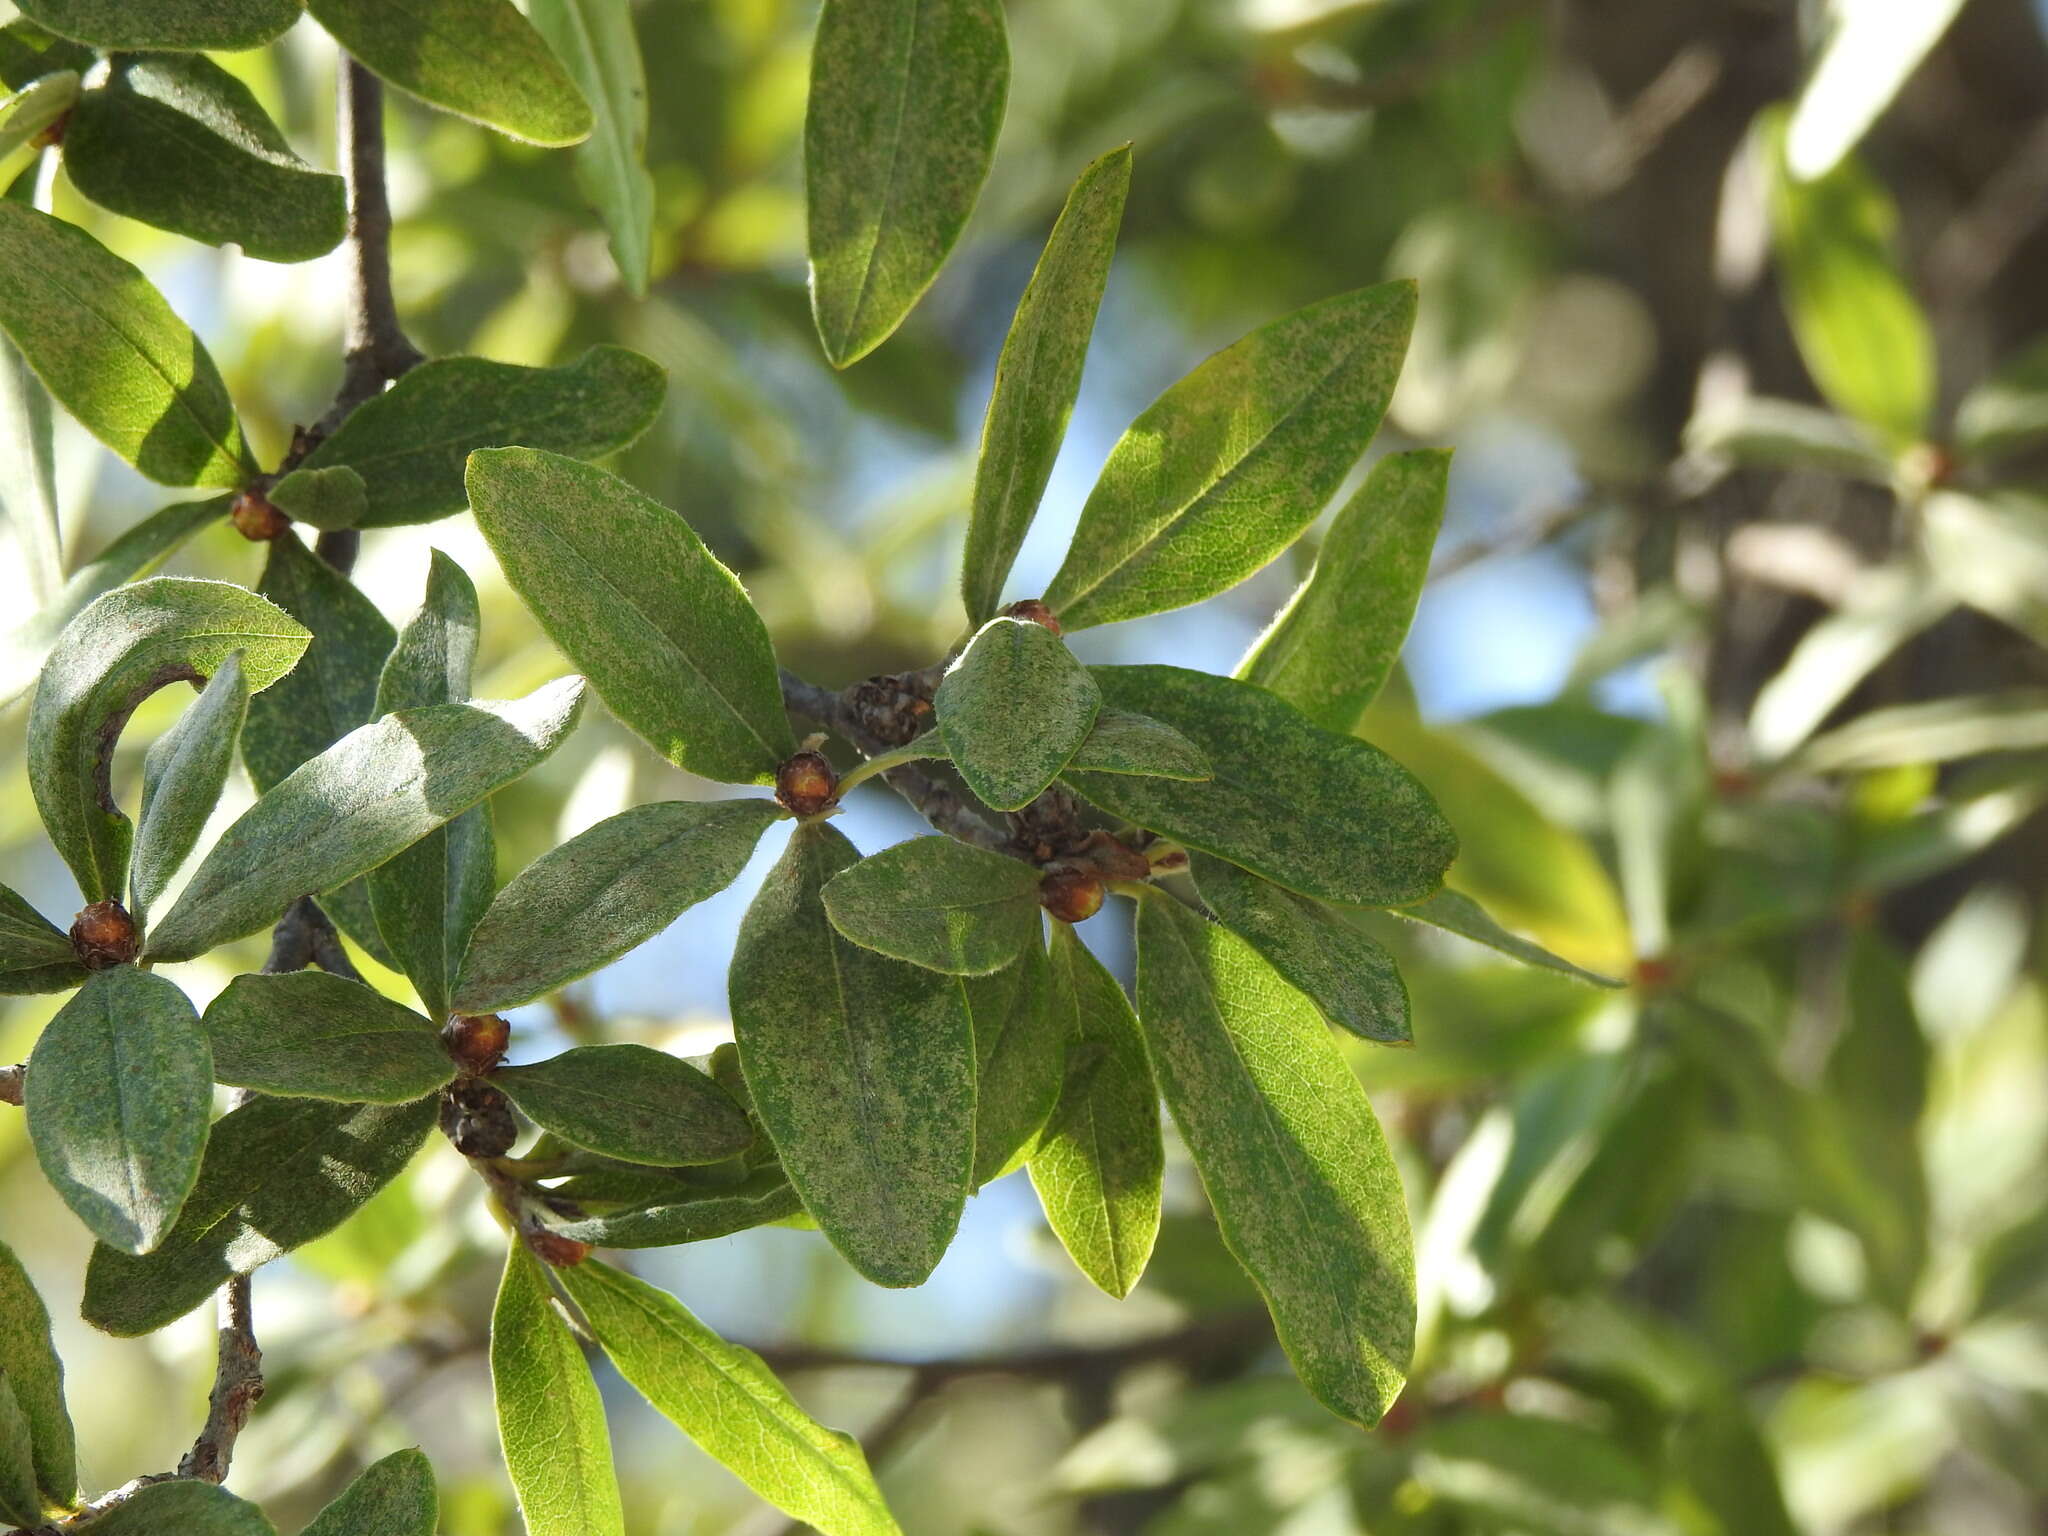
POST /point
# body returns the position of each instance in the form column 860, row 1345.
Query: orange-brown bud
column 476, row 1042
column 553, row 1248
column 1034, row 610
column 255, row 519
column 103, row 935
column 1071, row 895
column 806, row 784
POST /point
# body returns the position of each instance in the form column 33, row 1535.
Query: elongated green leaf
column 335, row 497
column 1335, row 642
column 479, row 59
column 182, row 777
column 427, row 900
column 1455, row 912
column 632, row 596
column 906, row 99
column 1325, row 815
column 176, row 141
column 278, row 1173
column 595, row 42
column 217, row 25
column 1226, row 468
column 306, row 1034
column 36, row 1376
column 118, row 1093
column 1037, row 378
column 607, row 890
column 550, row 1418
column 1351, row 978
column 1870, row 53
column 115, row 654
column 392, row 1497
column 28, row 52
column 1121, row 742
column 1529, row 1472
column 1859, row 328
column 378, row 790
column 1013, row 709
column 861, row 1067
column 35, row 955
column 24, row 121
column 1098, row 1166
column 939, row 904
column 135, row 553
column 1788, row 434
column 411, row 443
column 632, row 1103
column 729, row 1402
column 185, row 1505
column 107, row 346
column 1019, row 1057
column 20, row 1503
column 692, row 1214
column 1305, row 1191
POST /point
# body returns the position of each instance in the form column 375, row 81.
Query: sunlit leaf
column 187, row 1506
column 306, row 1034
column 1020, row 1044
column 392, row 1497
column 938, row 903
column 595, row 42
column 193, row 24
column 1013, row 710
column 182, row 778
column 550, row 1418
column 630, row 1102
column 36, row 1376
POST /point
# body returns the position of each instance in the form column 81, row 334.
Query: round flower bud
column 103, row 935
column 1034, row 610
column 806, row 784
column 477, row 1118
column 255, row 519
column 1071, row 895
column 476, row 1042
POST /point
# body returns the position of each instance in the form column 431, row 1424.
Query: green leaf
column 182, row 777
column 184, row 1505
column 1019, row 1054
column 306, row 1034
column 36, row 1376
column 1098, row 1165
column 392, row 1497
column 906, row 99
column 1295, row 1164
column 112, row 656
column 594, row 40
column 1013, row 709
column 1324, row 815
column 632, row 596
column 176, row 141
column 1787, row 434
column 1122, row 742
column 1037, row 378
column 1332, row 646
column 726, row 1400
column 1226, row 468
column 479, row 59
column 861, row 1067
column 1455, row 912
column 20, row 1504
column 550, row 1418
column 1530, row 1473
column 2007, row 411
column 278, row 1173
column 23, row 120
column 118, row 1094
column 135, row 553
column 27, row 53
column 693, row 1214
column 107, row 346
column 213, row 25
column 1871, row 51
column 335, row 497
column 607, row 890
column 939, row 904
column 411, row 443
column 35, row 955
column 375, row 792
column 1350, row 978
column 630, row 1102
column 1858, row 326
column 428, row 899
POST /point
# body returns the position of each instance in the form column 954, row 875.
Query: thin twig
column 1518, row 538
column 237, row 1387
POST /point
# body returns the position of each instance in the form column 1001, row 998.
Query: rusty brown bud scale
column 103, row 935
column 806, row 784
column 1071, row 895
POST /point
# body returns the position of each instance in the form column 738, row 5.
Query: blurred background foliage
column 1731, row 678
